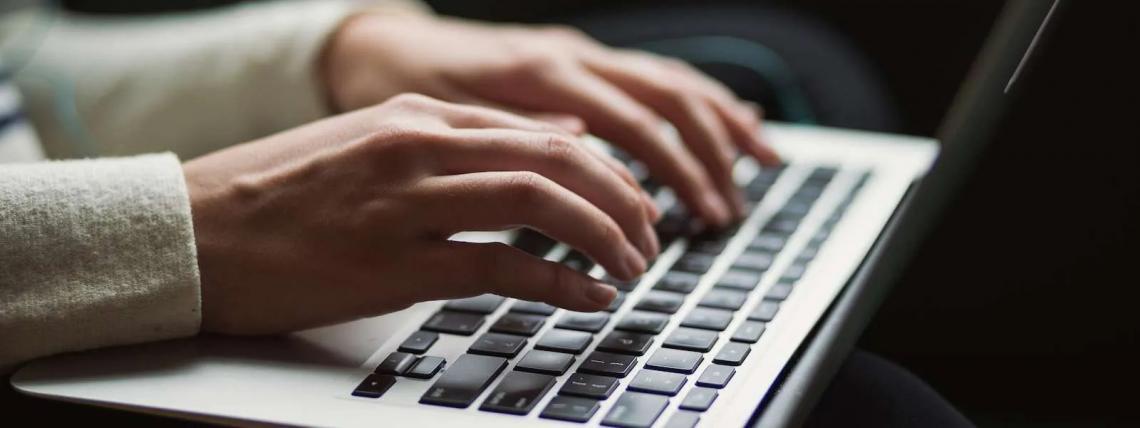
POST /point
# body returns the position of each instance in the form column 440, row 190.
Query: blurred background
column 1021, row 307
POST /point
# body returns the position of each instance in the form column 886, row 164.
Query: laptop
column 732, row 328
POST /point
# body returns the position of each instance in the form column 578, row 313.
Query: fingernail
column 654, row 243
column 737, row 198
column 718, row 207
column 651, row 207
column 602, row 294
column 633, row 263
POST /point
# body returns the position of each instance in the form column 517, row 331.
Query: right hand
column 350, row 216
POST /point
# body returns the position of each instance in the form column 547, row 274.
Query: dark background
column 1021, row 306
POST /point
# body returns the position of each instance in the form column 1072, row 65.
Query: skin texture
column 349, row 217
column 561, row 75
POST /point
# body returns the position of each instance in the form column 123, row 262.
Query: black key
column 764, row 311
column 464, row 381
column 709, row 246
column 723, row 298
column 482, row 304
column 419, row 342
column 748, row 332
column 499, row 345
column 533, row 242
column 732, row 354
column 779, row 291
column 518, row 393
column 538, row 361
column 657, row 382
column 624, row 342
column 573, row 409
column 558, row 340
column 592, row 322
column 807, row 254
column 520, row 324
column 643, row 322
column 396, row 363
column 426, row 367
column 822, row 175
column 578, row 261
column 635, row 410
column 739, row 279
column 691, row 339
column 528, row 307
column 605, row 363
column 699, row 399
column 716, row 376
column 767, row 242
column 796, row 208
column 683, row 419
column 675, row 360
column 708, row 319
column 758, row 261
column 695, row 262
column 782, row 225
column 626, row 286
column 794, row 272
column 590, row 386
column 660, row 301
column 616, row 303
column 374, row 386
column 454, row 322
column 678, row 282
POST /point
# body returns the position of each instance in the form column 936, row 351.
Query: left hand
column 564, row 77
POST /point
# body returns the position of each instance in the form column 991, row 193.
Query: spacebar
column 461, row 383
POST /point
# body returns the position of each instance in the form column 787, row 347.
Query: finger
column 458, row 269
column 477, row 116
column 615, row 116
column 690, row 111
column 622, row 171
column 557, row 157
column 565, row 122
column 503, row 200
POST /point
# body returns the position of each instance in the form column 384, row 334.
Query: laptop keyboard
column 622, row 355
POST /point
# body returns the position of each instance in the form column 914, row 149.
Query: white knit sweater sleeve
column 94, row 253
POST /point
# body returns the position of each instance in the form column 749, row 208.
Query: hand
column 349, row 217
column 622, row 96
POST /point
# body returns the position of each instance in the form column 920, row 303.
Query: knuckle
column 562, row 152
column 527, row 189
column 564, row 32
column 411, row 100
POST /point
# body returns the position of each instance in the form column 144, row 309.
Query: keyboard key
column 592, row 322
column 758, row 261
column 626, row 286
column 779, row 291
column 748, row 332
column 520, row 324
column 395, row 363
column 374, row 386
column 709, row 246
column 573, row 409
column 533, row 242
column 454, row 322
column 732, row 354
column 764, row 311
column 695, row 263
column 691, row 339
column 699, row 399
column 538, row 361
column 578, row 261
column 624, row 342
column 426, row 367
column 643, row 322
column 482, row 304
column 683, row 419
column 678, row 282
column 464, row 381
column 657, row 382
column 675, row 360
column 590, row 386
column 716, row 376
column 794, row 272
column 568, row 341
column 419, row 342
column 783, row 225
column 660, row 301
column 605, row 363
column 807, row 254
column 723, row 298
column 499, row 345
column 536, row 308
column 616, row 303
column 767, row 242
column 635, row 410
column 518, row 393
column 708, row 319
column 739, row 279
